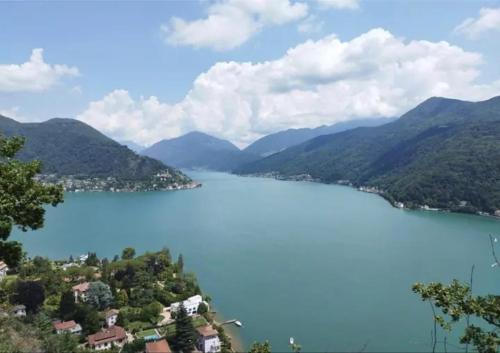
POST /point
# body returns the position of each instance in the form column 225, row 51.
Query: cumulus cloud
column 317, row 82
column 231, row 23
column 33, row 75
column 488, row 20
column 339, row 4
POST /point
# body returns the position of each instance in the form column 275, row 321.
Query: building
column 67, row 326
column 3, row 270
column 160, row 346
column 80, row 291
column 107, row 338
column 111, row 317
column 191, row 304
column 19, row 310
column 208, row 339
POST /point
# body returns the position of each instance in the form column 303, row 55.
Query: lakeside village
column 159, row 182
column 130, row 304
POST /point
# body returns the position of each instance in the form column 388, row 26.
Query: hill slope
column 70, row 147
column 282, row 140
column 444, row 153
column 197, row 150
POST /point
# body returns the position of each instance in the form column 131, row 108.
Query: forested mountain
column 71, row 147
column 197, row 150
column 444, row 153
column 281, row 140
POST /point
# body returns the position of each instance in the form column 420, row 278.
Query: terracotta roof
column 2, row 265
column 207, row 331
column 112, row 312
column 158, row 347
column 82, row 287
column 65, row 325
column 115, row 333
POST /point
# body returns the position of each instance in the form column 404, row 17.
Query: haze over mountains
column 444, row 153
column 70, row 147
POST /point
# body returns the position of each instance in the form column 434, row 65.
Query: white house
column 80, row 291
column 111, row 317
column 208, row 339
column 67, row 326
column 3, row 270
column 19, row 310
column 191, row 304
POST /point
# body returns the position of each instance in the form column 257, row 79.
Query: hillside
column 444, row 153
column 70, row 147
column 282, row 140
column 197, row 150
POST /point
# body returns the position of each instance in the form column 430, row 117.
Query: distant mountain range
column 281, row 140
column 444, row 153
column 197, row 150
column 71, row 147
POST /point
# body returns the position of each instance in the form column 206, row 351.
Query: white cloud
column 231, row 23
column 317, row 82
column 488, row 20
column 13, row 113
column 339, row 4
column 33, row 75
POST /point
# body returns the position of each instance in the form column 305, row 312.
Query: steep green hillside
column 197, row 150
column 70, row 147
column 281, row 140
column 444, row 153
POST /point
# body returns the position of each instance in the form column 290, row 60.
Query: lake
column 326, row 264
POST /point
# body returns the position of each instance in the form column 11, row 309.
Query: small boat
column 238, row 323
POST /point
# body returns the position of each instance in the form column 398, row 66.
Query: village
column 130, row 304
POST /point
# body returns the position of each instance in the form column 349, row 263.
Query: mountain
column 281, row 140
column 444, row 153
column 197, row 150
column 132, row 145
column 71, row 147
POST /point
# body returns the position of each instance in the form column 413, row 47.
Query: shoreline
column 366, row 189
column 232, row 332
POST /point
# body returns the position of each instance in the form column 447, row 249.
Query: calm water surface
column 325, row 264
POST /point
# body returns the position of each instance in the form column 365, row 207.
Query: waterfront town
column 128, row 304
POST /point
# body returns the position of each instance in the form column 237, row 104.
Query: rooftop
column 158, row 347
column 82, row 287
column 112, row 312
column 207, row 331
column 3, row 265
column 111, row 334
column 65, row 325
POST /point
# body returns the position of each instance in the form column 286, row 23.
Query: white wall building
column 208, row 339
column 67, row 326
column 3, row 270
column 111, row 317
column 191, row 304
column 80, row 291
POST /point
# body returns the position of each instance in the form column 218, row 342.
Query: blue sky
column 149, row 78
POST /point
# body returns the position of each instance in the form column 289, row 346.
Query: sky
column 240, row 69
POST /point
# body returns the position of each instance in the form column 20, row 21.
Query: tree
column 457, row 302
column 180, row 263
column 258, row 347
column 31, row 294
column 185, row 334
column 61, row 343
column 128, row 253
column 67, row 305
column 151, row 312
column 88, row 317
column 121, row 298
column 136, row 346
column 21, row 197
column 225, row 341
column 92, row 259
column 99, row 295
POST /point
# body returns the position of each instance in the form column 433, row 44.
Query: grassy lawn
column 169, row 330
column 137, row 326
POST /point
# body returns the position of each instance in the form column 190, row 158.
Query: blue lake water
column 326, row 264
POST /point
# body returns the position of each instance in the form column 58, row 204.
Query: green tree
column 99, row 295
column 67, row 305
column 180, row 263
column 21, row 198
column 31, row 294
column 457, row 303
column 92, row 259
column 88, row 317
column 151, row 312
column 62, row 343
column 225, row 341
column 128, row 253
column 258, row 347
column 121, row 298
column 136, row 346
column 185, row 334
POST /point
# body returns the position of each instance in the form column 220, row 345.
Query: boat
column 238, row 323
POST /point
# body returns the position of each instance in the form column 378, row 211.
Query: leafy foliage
column 457, row 302
column 21, row 197
column 258, row 347
column 31, row 294
column 185, row 334
column 99, row 295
